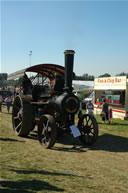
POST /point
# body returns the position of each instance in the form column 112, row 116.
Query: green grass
column 28, row 168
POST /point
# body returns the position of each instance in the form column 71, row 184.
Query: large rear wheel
column 47, row 131
column 22, row 118
column 88, row 128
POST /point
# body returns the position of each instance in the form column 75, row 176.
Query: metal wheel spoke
column 48, row 135
column 91, row 124
column 17, row 117
column 42, row 132
column 44, row 140
column 92, row 132
column 16, row 128
column 47, row 123
column 49, row 129
column 45, row 134
column 43, row 125
column 87, row 121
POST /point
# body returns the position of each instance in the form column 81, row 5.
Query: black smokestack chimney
column 69, row 59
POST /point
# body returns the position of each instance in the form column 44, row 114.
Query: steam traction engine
column 52, row 105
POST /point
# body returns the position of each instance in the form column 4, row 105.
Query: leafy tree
column 122, row 74
column 105, row 75
column 3, row 76
column 85, row 77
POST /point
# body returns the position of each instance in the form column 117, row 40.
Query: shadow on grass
column 69, row 140
column 14, row 191
column 43, row 172
column 75, row 148
column 66, row 139
column 32, row 136
column 9, row 139
column 106, row 142
column 113, row 123
column 112, row 143
column 28, row 186
column 123, row 124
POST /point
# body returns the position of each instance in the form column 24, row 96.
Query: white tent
column 79, row 84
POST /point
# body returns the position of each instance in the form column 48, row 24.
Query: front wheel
column 47, row 132
column 88, row 127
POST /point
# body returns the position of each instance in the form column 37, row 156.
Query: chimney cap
column 69, row 52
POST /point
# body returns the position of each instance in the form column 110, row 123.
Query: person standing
column 1, row 99
column 89, row 107
column 8, row 101
column 105, row 111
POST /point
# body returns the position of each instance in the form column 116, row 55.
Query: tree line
column 88, row 77
column 4, row 82
column 85, row 77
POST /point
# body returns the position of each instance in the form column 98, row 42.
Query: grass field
column 28, row 168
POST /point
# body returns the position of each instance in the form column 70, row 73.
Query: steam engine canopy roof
column 48, row 70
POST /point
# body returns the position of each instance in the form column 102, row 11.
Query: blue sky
column 96, row 30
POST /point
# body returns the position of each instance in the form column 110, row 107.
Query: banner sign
column 110, row 83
